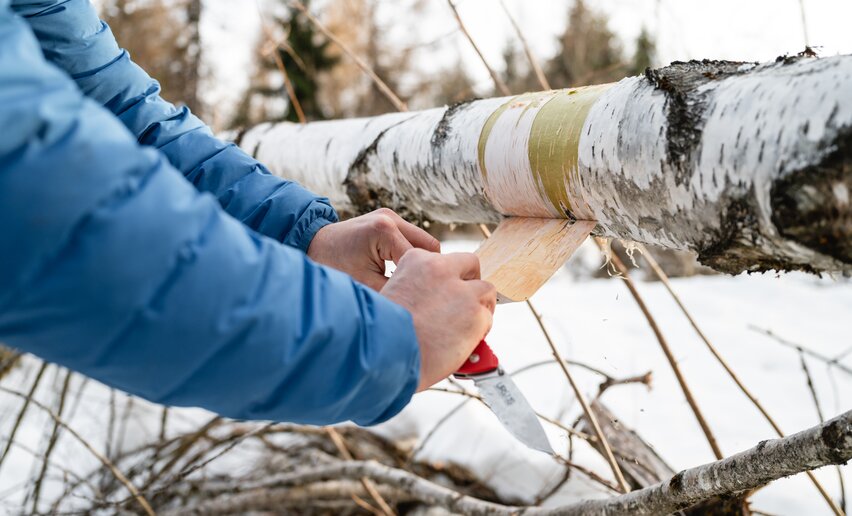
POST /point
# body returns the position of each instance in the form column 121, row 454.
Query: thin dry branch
column 560, row 459
column 23, row 411
column 498, row 82
column 101, row 458
column 829, row 443
column 185, row 444
column 590, row 415
column 839, row 508
column 51, row 444
column 288, row 86
column 383, row 87
column 687, row 392
column 830, row 362
column 369, row 487
column 539, row 73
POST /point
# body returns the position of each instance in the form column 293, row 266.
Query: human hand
column 360, row 246
column 451, row 306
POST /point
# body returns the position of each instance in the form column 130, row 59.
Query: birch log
column 749, row 165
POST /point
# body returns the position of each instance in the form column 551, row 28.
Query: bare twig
column 189, row 469
column 829, row 443
column 369, row 487
column 54, row 436
column 539, row 73
column 164, row 419
column 705, row 427
column 644, row 379
column 815, row 398
column 831, row 362
column 23, row 411
column 581, row 398
column 276, row 56
column 438, row 424
column 498, row 82
column 102, row 459
column 185, row 445
column 804, row 23
column 384, row 88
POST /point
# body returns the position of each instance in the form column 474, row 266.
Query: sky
column 746, row 30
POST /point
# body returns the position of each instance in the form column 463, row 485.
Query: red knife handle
column 482, row 360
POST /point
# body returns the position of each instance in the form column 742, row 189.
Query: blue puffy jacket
column 140, row 250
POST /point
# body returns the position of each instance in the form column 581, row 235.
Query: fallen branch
column 822, row 445
column 829, row 443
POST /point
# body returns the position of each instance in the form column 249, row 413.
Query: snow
column 593, row 321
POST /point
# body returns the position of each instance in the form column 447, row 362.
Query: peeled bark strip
column 749, row 165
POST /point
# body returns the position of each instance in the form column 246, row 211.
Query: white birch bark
column 749, row 165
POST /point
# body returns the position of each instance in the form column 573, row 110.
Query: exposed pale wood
column 523, row 253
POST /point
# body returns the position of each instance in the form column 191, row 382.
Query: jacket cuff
column 317, row 216
column 396, row 372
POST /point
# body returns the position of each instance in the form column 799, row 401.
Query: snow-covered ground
column 593, row 321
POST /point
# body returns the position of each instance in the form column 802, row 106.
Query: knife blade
column 504, row 398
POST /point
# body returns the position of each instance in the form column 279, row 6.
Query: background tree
column 359, row 26
column 645, row 54
column 589, row 52
column 162, row 37
column 305, row 54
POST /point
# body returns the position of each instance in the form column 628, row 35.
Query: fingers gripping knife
column 504, row 398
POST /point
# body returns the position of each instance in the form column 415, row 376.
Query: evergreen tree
column 645, row 54
column 162, row 37
column 589, row 52
column 305, row 54
column 517, row 73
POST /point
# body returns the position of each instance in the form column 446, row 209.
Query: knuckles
column 387, row 212
column 382, row 223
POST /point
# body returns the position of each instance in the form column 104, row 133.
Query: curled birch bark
column 749, row 165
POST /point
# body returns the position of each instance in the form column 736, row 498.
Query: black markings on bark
column 676, row 482
column 239, row 137
column 836, row 436
column 813, row 205
column 686, row 106
column 442, row 131
column 254, row 152
column 366, row 196
column 736, row 246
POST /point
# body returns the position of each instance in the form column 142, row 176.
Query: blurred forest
column 163, row 37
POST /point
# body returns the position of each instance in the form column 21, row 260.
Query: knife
column 504, row 398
